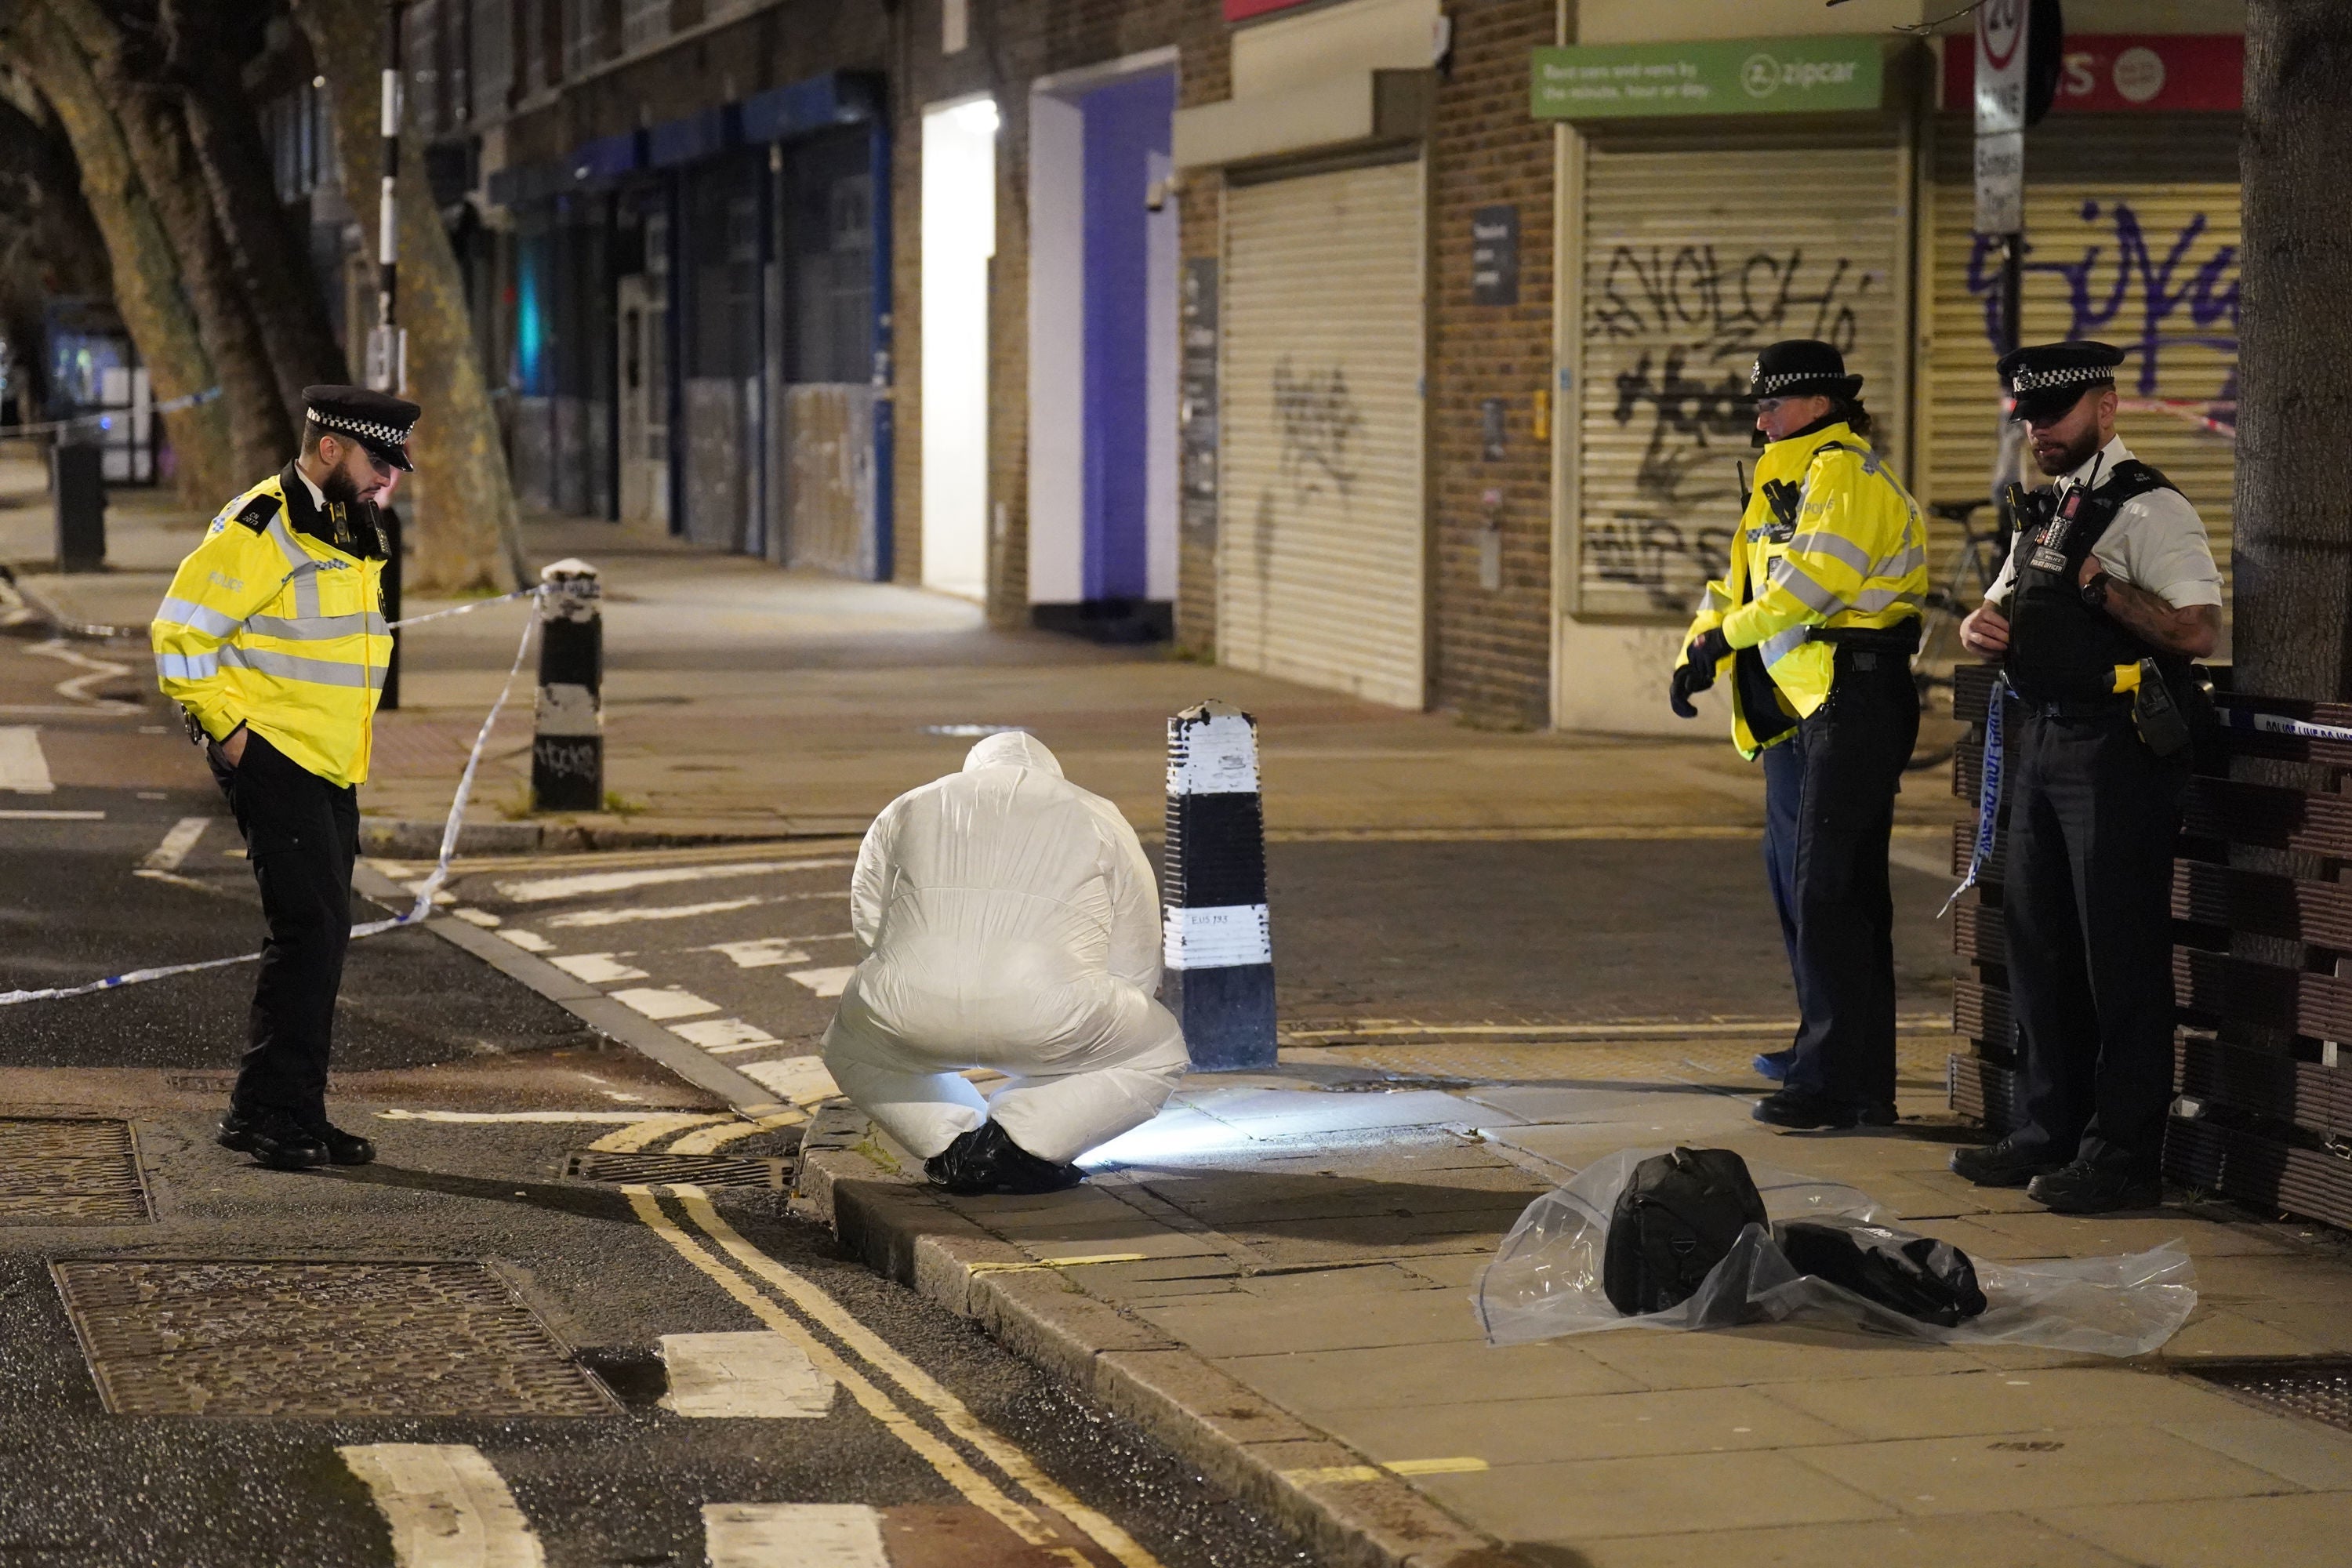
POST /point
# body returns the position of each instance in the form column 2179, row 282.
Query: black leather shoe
column 2003, row 1165
column 1880, row 1115
column 1796, row 1108
column 1774, row 1065
column 987, row 1160
column 273, row 1138
column 343, row 1148
column 2084, row 1188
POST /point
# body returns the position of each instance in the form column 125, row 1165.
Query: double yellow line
column 789, row 1304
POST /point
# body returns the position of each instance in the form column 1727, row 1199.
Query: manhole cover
column 700, row 1170
column 237, row 1338
column 2317, row 1388
column 64, row 1171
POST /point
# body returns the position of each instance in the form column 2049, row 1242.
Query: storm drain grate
column 69, row 1171
column 239, row 1338
column 2314, row 1386
column 700, row 1170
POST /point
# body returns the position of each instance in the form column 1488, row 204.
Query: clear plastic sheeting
column 1545, row 1281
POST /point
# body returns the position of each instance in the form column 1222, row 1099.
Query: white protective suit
column 1013, row 922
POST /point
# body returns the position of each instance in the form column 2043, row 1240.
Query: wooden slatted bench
column 2268, row 1127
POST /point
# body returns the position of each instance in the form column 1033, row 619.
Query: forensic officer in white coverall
column 1013, row 922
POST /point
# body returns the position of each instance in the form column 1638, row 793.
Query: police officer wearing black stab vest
column 2109, row 592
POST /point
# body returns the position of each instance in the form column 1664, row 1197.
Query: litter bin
column 78, row 483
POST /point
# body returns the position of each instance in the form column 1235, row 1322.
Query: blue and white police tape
column 2237, row 718
column 466, row 609
column 425, row 891
column 104, row 417
column 1987, row 792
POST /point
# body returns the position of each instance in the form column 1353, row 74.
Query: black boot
column 343, row 1148
column 274, row 1138
column 2085, row 1188
column 987, row 1160
column 1804, row 1111
column 2003, row 1164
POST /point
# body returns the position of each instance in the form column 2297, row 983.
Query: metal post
column 1217, row 948
column 567, row 753
column 388, row 355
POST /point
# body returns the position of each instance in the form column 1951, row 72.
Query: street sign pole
column 387, row 349
column 2003, row 29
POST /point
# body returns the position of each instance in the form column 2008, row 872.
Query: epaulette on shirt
column 256, row 513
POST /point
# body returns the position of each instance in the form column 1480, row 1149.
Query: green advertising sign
column 1718, row 76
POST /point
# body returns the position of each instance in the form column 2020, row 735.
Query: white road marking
column 23, row 769
column 663, row 1002
column 758, row 1374
column 825, row 981
column 721, row 1036
column 528, row 940
column 539, row 890
column 167, row 855
column 801, row 1079
column 762, row 953
column 654, row 912
column 446, row 1507
column 793, row 1535
column 482, row 917
column 597, row 968
column 99, row 670
column 669, row 1121
column 52, row 816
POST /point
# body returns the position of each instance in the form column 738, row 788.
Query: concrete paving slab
column 1579, row 1500
column 1325, row 1285
column 2305, row 1530
column 2006, row 1400
column 1781, row 1353
column 2224, row 1334
column 1245, row 1326
column 1588, row 1426
column 2325, row 1324
column 1311, row 1382
column 1974, row 1541
column 2066, row 1235
column 2073, row 1466
column 2304, row 1452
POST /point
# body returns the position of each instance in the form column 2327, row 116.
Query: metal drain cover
column 2317, row 1388
column 700, row 1169
column 237, row 1338
column 68, row 1171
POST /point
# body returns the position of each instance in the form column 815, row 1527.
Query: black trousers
column 301, row 835
column 1850, row 756
column 2087, row 903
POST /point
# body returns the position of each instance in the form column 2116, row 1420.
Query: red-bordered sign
column 1242, row 10
column 2126, row 73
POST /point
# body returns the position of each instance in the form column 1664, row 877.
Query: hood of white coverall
column 1013, row 749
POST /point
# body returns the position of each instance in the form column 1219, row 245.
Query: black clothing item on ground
column 1852, row 751
column 2086, row 1187
column 2007, row 1163
column 2093, row 815
column 1674, row 1219
column 1917, row 1276
column 301, row 835
column 1807, row 1111
column 987, row 1160
column 2059, row 648
column 274, row 1138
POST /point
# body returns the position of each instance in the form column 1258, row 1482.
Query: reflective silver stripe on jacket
column 1822, row 542
column 318, row 671
column 1780, row 645
column 318, row 628
column 1792, row 578
column 188, row 665
column 303, row 574
column 196, row 617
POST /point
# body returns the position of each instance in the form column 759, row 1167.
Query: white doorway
column 645, row 405
column 959, row 240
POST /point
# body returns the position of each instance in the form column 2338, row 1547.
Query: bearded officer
column 2108, row 592
column 273, row 639
column 1815, row 623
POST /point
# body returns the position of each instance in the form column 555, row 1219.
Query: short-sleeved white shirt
column 2156, row 541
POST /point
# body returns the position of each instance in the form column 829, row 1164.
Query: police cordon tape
column 102, row 417
column 425, row 891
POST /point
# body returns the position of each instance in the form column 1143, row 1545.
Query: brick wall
column 1491, row 648
column 1205, row 75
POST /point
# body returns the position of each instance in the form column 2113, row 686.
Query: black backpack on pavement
column 1675, row 1219
column 1917, row 1276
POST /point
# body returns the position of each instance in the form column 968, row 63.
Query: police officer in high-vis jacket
column 2108, row 592
column 1814, row 624
column 273, row 639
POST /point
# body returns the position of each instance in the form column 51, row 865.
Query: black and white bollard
column 567, row 753
column 1218, row 948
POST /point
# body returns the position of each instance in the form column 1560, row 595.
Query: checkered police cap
column 376, row 420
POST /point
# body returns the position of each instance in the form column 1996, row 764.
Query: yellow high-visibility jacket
column 275, row 621
column 1829, row 539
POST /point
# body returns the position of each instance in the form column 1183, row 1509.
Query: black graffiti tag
column 1319, row 421
column 1719, row 311
column 1661, row 557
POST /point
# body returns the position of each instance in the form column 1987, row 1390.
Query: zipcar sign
column 1722, row 76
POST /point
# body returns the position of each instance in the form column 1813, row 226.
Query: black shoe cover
column 987, row 1160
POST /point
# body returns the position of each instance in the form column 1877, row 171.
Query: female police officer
column 1816, row 621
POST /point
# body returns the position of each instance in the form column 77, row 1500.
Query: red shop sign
column 1242, row 10
column 2111, row 72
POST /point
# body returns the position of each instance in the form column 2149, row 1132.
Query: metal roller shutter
column 1320, row 564
column 1696, row 256
column 2132, row 235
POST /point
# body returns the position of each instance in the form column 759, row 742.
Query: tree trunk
column 2293, row 548
column 156, row 133
column 271, row 252
column 146, row 271
column 50, row 244
column 466, row 527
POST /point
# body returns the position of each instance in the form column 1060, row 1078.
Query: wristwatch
column 2095, row 592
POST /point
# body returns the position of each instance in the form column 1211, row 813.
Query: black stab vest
column 2059, row 648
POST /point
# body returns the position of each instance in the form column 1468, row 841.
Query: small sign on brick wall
column 1494, row 256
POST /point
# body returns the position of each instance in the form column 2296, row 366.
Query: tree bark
column 156, row 133
column 270, row 251
column 467, row 529
column 2293, row 548
column 146, row 269
column 50, row 244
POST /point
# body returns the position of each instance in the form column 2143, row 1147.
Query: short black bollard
column 78, row 482
column 567, row 753
column 1218, row 949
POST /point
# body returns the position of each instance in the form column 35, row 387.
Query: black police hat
column 1801, row 367
column 2048, row 379
column 376, row 420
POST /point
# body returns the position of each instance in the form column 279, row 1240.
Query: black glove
column 1697, row 672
